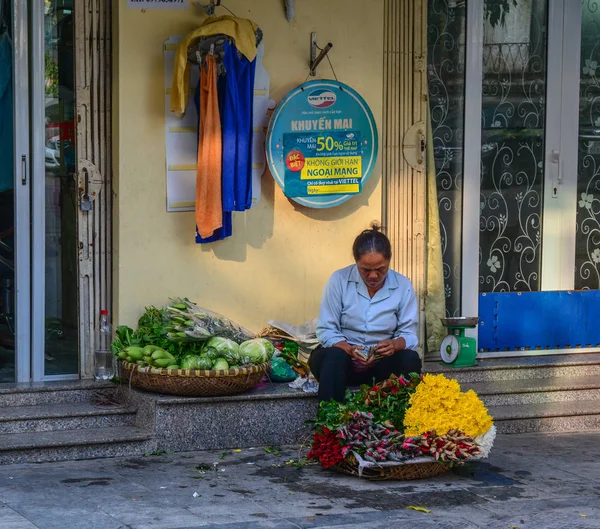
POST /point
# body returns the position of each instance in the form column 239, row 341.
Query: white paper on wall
column 157, row 4
column 181, row 134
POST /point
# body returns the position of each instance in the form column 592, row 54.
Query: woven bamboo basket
column 404, row 472
column 193, row 382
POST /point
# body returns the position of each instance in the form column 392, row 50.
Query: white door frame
column 38, row 191
column 560, row 157
column 30, row 191
column 569, row 129
column 22, row 291
column 472, row 162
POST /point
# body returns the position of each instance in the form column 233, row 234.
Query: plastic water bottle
column 104, row 365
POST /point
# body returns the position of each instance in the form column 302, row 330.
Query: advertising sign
column 322, row 144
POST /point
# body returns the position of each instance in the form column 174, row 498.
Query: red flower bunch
column 326, row 448
column 392, row 385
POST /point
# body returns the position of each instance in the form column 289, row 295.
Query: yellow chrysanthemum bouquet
column 404, row 420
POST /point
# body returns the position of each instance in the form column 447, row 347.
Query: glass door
column 587, row 238
column 14, row 195
column 58, row 197
column 514, row 126
column 38, row 192
column 7, row 197
column 518, row 169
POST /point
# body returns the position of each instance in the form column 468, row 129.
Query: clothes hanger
column 212, row 45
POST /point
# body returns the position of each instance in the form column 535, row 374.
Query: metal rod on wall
column 314, row 60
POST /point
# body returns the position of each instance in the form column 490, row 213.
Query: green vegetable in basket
column 190, row 362
column 137, row 353
column 204, row 362
column 231, row 357
column 245, row 360
column 161, row 354
column 226, row 348
column 259, row 350
column 220, row 363
column 160, row 358
column 211, row 353
column 164, row 362
column 174, row 366
column 149, row 349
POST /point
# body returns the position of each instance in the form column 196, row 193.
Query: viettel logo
column 321, row 98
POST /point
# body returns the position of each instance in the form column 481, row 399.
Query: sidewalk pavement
column 530, row 481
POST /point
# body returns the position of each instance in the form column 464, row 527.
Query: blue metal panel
column 539, row 320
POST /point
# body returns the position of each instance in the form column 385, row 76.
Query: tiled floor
column 530, row 481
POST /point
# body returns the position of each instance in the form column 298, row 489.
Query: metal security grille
column 93, row 67
column 404, row 134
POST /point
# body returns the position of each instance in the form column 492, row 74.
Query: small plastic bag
column 198, row 323
column 281, row 371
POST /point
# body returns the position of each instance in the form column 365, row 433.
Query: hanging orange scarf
column 209, row 213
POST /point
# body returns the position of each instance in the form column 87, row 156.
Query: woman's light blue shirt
column 349, row 314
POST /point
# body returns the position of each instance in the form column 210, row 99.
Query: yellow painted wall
column 281, row 254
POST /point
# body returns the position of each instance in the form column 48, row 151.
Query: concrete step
column 568, row 416
column 63, row 445
column 54, row 417
column 272, row 414
column 277, row 415
column 522, row 368
column 536, row 390
column 38, row 393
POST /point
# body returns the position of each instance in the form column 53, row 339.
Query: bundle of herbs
column 183, row 335
column 155, row 327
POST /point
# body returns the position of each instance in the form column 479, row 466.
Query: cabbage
column 191, row 362
column 211, row 353
column 259, row 350
column 231, row 356
column 204, row 362
column 223, row 344
column 221, row 363
column 226, row 348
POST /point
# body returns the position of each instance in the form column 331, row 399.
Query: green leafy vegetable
column 220, row 363
column 259, row 350
column 226, row 348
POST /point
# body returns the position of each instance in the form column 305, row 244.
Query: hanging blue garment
column 236, row 104
column 237, row 130
column 226, row 229
column 229, row 129
column 245, row 75
column 7, row 178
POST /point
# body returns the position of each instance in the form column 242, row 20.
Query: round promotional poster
column 322, row 144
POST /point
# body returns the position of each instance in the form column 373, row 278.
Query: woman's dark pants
column 333, row 368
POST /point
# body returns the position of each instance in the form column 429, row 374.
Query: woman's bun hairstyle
column 372, row 240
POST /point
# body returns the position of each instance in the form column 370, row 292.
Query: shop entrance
column 39, row 192
column 515, row 114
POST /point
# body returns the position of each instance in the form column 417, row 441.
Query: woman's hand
column 386, row 348
column 353, row 352
column 389, row 347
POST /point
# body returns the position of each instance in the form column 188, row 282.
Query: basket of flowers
column 403, row 429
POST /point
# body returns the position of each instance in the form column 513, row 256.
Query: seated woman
column 365, row 305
